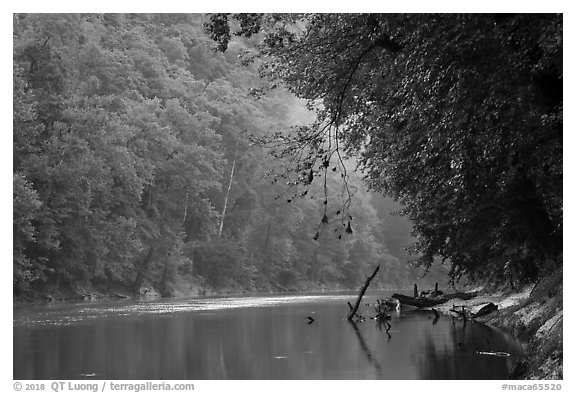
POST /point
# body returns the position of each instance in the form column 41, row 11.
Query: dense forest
column 143, row 159
column 457, row 116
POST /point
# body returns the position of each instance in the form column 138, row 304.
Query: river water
column 266, row 337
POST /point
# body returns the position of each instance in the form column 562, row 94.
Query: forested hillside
column 135, row 168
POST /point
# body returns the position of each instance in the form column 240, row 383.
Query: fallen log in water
column 354, row 309
column 421, row 301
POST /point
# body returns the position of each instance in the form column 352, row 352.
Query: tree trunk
column 226, row 199
column 142, row 271
column 163, row 282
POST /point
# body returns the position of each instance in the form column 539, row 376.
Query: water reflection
column 366, row 349
column 249, row 339
column 452, row 358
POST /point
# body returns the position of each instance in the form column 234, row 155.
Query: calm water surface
column 249, row 338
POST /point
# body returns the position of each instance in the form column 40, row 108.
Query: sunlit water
column 250, row 338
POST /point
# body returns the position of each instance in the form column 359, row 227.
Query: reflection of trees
column 457, row 358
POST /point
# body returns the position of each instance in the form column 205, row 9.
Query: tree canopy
column 458, row 117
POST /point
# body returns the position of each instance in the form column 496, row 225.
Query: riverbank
column 182, row 286
column 534, row 314
column 190, row 288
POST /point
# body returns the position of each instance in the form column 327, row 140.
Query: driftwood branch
column 362, row 291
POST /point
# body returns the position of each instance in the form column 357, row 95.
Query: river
column 265, row 337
